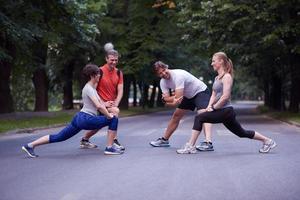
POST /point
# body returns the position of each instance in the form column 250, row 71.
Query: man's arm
column 176, row 99
column 119, row 95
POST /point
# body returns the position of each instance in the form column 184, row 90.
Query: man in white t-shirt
column 189, row 94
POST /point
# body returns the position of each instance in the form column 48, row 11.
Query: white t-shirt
column 87, row 93
column 181, row 79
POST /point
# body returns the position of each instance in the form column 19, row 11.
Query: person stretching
column 110, row 90
column 190, row 94
column 86, row 119
column 219, row 109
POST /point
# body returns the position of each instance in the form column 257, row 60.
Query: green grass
column 60, row 117
column 12, row 124
column 284, row 116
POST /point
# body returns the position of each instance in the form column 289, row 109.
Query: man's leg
column 174, row 122
column 172, row 126
column 85, row 143
column 116, row 112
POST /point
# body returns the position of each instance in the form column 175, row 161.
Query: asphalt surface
column 235, row 170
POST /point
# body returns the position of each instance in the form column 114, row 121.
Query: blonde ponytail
column 228, row 66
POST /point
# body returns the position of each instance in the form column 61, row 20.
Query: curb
column 32, row 130
column 284, row 121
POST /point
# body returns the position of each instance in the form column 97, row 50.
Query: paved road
column 234, row 171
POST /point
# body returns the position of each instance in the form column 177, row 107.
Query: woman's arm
column 101, row 107
column 212, row 99
column 227, row 85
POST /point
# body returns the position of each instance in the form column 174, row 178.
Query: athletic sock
column 30, row 145
column 164, row 139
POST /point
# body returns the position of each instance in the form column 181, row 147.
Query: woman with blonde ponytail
column 220, row 110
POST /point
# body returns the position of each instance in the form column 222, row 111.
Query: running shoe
column 187, row 149
column 268, row 146
column 118, row 145
column 205, row 146
column 29, row 151
column 160, row 142
column 86, row 144
column 112, row 151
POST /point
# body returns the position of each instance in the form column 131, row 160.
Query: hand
column 108, row 104
column 115, row 104
column 209, row 109
column 178, row 100
column 167, row 98
column 110, row 116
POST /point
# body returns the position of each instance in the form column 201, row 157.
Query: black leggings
column 225, row 116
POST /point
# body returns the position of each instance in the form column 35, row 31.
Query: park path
column 235, row 170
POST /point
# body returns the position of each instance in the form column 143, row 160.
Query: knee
column 177, row 117
column 56, row 138
column 247, row 134
column 115, row 110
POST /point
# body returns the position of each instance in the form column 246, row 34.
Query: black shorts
column 199, row 101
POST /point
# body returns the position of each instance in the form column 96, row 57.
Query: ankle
column 30, row 145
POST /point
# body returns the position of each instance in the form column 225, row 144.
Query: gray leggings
column 225, row 116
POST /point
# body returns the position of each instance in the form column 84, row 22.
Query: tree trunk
column 6, row 100
column 276, row 93
column 295, row 86
column 124, row 101
column 267, row 93
column 40, row 82
column 153, row 94
column 159, row 102
column 145, row 94
column 134, row 92
column 68, row 86
column 40, row 79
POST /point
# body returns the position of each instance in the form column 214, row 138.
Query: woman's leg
column 197, row 129
column 209, row 118
column 40, row 141
column 207, row 131
column 235, row 127
column 63, row 135
column 194, row 137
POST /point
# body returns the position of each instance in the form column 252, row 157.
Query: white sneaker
column 86, row 144
column 268, row 146
column 187, row 149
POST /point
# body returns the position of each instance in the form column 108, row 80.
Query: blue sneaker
column 160, row 142
column 29, row 151
column 205, row 146
column 112, row 151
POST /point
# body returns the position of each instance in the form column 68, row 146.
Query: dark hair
column 112, row 53
column 159, row 65
column 90, row 70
